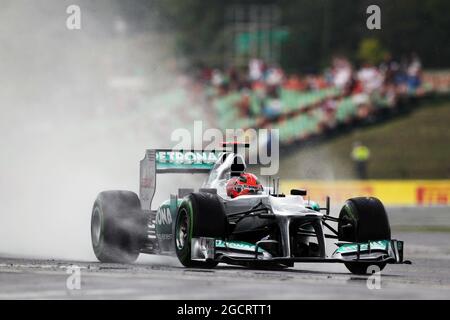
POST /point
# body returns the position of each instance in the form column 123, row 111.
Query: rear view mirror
column 298, row 192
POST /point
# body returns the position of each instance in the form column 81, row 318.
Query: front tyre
column 117, row 227
column 199, row 215
column 363, row 219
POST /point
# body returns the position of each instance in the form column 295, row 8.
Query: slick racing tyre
column 117, row 227
column 363, row 219
column 199, row 215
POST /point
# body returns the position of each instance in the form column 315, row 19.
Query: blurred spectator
column 414, row 70
column 235, row 82
column 388, row 68
column 360, row 156
column 329, row 111
column 274, row 76
column 256, row 69
column 370, row 78
column 217, row 78
column 294, row 83
column 244, row 104
column 342, row 72
column 272, row 106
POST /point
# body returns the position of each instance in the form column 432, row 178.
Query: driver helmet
column 245, row 183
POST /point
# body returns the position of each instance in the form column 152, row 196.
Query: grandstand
column 308, row 113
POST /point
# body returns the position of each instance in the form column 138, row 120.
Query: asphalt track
column 427, row 244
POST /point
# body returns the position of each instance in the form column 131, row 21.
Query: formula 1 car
column 264, row 228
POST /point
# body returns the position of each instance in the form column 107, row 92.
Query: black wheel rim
column 182, row 229
column 347, row 225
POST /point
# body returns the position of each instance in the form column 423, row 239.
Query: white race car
column 236, row 221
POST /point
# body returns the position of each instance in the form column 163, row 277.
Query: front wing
column 238, row 252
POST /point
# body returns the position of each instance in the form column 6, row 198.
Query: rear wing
column 171, row 161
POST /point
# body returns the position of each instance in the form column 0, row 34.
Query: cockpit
column 228, row 166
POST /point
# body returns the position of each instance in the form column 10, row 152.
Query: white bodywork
column 287, row 205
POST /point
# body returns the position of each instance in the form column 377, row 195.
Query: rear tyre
column 117, row 227
column 363, row 219
column 199, row 215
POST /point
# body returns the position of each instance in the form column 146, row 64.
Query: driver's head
column 246, row 183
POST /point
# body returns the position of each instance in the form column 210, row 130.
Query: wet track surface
column 160, row 277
